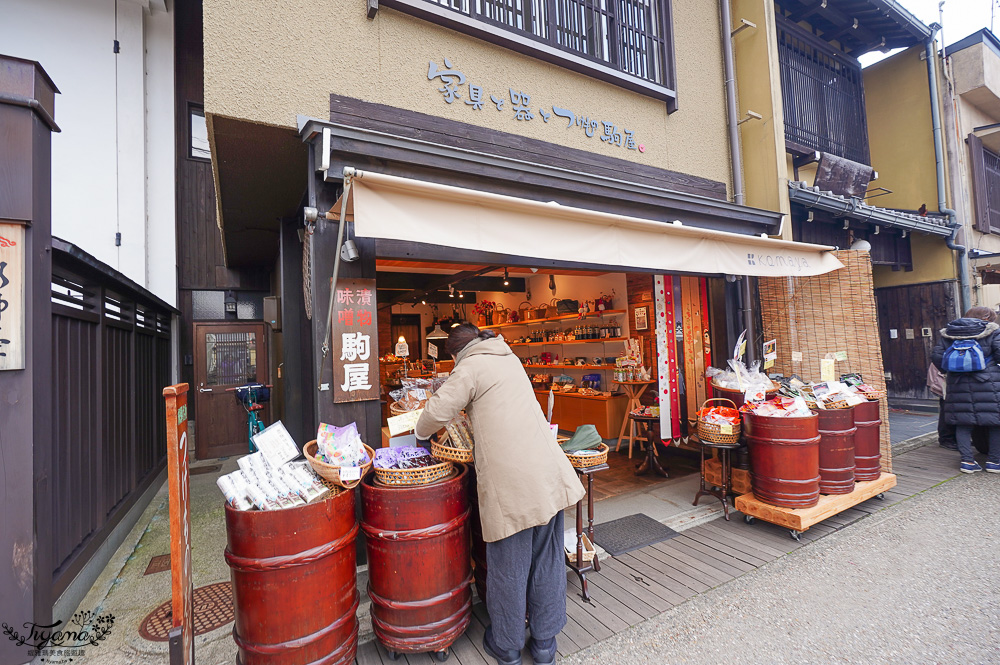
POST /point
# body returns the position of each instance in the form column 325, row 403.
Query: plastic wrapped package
column 460, row 433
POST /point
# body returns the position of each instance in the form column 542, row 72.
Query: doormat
column 213, row 608
column 197, row 470
column 630, row 533
column 158, row 564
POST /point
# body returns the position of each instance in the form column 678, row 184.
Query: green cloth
column 584, row 438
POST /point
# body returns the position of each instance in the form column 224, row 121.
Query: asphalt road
column 917, row 583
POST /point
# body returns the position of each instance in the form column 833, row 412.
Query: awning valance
column 393, row 208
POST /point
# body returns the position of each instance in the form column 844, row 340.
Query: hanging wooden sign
column 12, row 305
column 179, row 493
column 355, row 341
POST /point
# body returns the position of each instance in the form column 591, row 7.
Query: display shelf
column 561, row 317
column 600, row 367
column 599, row 398
column 569, row 341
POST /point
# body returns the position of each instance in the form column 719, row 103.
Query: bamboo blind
column 825, row 314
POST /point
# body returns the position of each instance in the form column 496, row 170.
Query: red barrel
column 867, row 441
column 419, row 572
column 784, row 459
column 836, row 451
column 478, row 544
column 294, row 575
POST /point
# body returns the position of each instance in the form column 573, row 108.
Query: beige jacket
column 524, row 478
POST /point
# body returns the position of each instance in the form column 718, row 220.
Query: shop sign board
column 355, row 341
column 12, row 305
column 178, row 480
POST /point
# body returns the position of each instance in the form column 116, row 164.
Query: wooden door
column 226, row 355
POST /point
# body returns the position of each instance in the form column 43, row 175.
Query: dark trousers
column 946, row 432
column 964, row 435
column 526, row 573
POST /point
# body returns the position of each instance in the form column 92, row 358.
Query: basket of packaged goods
column 456, row 443
column 413, row 395
column 585, row 448
column 833, row 402
column 570, row 543
column 338, row 455
column 409, row 465
column 719, row 425
column 856, row 384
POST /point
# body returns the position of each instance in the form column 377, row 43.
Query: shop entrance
column 569, row 327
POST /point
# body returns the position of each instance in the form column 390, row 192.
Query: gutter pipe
column 736, row 159
column 965, row 293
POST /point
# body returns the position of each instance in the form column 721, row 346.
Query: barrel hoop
column 785, row 481
column 838, row 432
column 422, row 632
column 304, row 641
column 416, row 534
column 417, row 604
column 251, row 565
column 787, row 442
column 867, row 423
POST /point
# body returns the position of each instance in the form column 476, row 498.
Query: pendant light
column 437, row 333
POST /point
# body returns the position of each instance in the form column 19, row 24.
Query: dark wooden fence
column 111, row 353
column 822, row 95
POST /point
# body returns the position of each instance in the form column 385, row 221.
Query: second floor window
column 631, row 36
column 985, row 185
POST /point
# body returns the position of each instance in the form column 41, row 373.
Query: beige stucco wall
column 267, row 61
column 932, row 262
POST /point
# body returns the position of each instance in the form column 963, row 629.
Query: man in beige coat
column 524, row 483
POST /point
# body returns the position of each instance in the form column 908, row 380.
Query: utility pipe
column 736, row 159
column 965, row 293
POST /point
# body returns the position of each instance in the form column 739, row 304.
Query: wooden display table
column 573, row 409
column 798, row 520
column 634, row 390
column 651, row 427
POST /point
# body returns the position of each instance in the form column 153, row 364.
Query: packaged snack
column 234, row 495
column 460, row 433
column 340, row 446
column 260, row 499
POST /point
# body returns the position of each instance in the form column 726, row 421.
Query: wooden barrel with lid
column 784, row 459
column 294, row 576
column 836, row 451
column 419, row 571
column 867, row 441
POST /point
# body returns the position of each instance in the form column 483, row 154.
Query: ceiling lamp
column 506, row 278
column 437, row 333
column 451, row 291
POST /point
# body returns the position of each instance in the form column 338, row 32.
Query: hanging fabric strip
column 692, row 352
column 666, row 357
column 706, row 334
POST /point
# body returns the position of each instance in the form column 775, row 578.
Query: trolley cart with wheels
column 797, row 520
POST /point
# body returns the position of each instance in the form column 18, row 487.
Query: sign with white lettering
column 179, row 495
column 355, row 341
column 12, row 310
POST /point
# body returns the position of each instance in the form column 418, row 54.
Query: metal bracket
column 744, row 24
column 372, row 9
column 751, row 115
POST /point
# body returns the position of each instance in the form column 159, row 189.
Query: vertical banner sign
column 11, row 296
column 666, row 357
column 182, row 583
column 707, row 334
column 355, row 341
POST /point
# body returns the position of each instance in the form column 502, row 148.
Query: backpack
column 964, row 355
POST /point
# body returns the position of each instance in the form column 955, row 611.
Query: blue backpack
column 964, row 355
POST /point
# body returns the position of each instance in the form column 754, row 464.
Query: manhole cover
column 158, row 564
column 213, row 608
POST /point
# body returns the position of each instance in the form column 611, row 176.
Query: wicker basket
column 500, row 316
column 421, row 476
column 397, row 410
column 442, row 450
column 589, row 551
column 834, row 404
column 525, row 311
column 332, row 473
column 583, row 461
column 540, row 312
column 712, row 432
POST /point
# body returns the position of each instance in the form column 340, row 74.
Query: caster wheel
column 393, row 655
column 796, row 536
column 880, row 497
column 441, row 656
column 749, row 519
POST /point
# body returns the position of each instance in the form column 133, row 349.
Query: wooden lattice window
column 985, row 186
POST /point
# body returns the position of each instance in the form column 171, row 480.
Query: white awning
column 393, row 208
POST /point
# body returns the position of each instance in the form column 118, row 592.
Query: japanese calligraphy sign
column 355, row 341
column 179, row 493
column 518, row 104
column 12, row 310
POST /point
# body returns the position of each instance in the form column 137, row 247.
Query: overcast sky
column 961, row 19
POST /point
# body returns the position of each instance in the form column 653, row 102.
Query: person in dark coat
column 973, row 398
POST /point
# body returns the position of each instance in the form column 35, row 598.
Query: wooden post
column 181, row 582
column 27, row 106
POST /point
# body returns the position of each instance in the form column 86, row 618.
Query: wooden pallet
column 800, row 519
column 739, row 478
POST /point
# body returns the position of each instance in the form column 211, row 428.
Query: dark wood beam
column 807, row 11
column 442, row 282
column 836, row 35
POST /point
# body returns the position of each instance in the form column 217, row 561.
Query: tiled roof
column 849, row 207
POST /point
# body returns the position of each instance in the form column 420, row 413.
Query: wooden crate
column 739, row 478
column 800, row 519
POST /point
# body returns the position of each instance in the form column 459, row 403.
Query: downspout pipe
column 965, row 292
column 736, row 159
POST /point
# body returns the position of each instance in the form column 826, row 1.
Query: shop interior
column 573, row 351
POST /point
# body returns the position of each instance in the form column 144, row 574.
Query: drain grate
column 158, row 564
column 213, row 608
column 197, row 470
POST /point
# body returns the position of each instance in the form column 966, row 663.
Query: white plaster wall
column 108, row 172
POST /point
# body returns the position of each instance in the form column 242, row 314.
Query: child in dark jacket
column 973, row 397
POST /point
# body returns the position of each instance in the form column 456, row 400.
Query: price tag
column 796, row 356
column 276, row 444
column 402, row 350
column 726, row 428
column 769, row 363
column 403, row 423
column 827, row 369
column 349, row 473
column 432, row 351
column 840, row 356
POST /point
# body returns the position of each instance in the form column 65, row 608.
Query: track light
column 506, row 278
column 423, row 302
column 461, row 294
column 451, row 291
